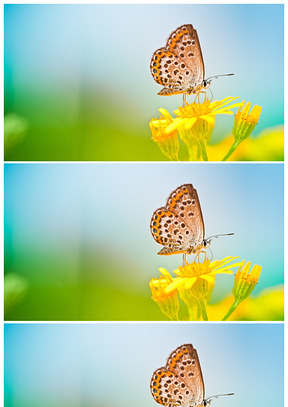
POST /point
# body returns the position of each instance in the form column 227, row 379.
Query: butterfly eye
column 205, row 83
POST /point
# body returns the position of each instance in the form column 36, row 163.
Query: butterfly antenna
column 219, row 395
column 223, row 234
column 218, row 76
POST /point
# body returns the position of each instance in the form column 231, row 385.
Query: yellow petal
column 226, row 260
column 191, row 281
column 176, row 123
column 225, row 101
column 165, row 273
column 166, row 115
column 223, row 270
column 190, row 123
column 176, row 283
column 208, row 278
column 210, row 119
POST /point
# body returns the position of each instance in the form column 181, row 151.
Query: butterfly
column 180, row 382
column 179, row 66
column 179, row 225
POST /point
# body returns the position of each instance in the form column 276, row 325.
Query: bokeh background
column 111, row 364
column 78, row 244
column 78, row 84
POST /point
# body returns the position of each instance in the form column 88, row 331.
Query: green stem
column 203, row 150
column 194, row 311
column 198, row 313
column 232, row 309
column 203, row 310
column 191, row 314
column 231, row 151
column 191, row 153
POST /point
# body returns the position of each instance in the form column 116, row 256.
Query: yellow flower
column 168, row 142
column 195, row 283
column 167, row 301
column 188, row 115
column 245, row 122
column 245, row 281
column 195, row 123
column 190, row 273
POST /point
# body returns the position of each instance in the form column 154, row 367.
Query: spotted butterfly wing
column 165, row 387
column 179, row 226
column 185, row 363
column 180, row 382
column 185, row 203
column 165, row 228
column 179, row 66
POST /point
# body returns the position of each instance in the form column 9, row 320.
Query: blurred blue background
column 111, row 364
column 79, row 74
column 79, row 233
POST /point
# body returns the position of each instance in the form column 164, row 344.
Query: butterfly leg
column 184, row 100
column 198, row 95
column 211, row 94
column 184, row 259
column 197, row 257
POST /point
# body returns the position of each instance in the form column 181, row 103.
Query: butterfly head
column 206, row 83
column 206, row 243
column 206, row 403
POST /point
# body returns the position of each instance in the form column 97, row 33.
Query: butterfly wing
column 171, row 231
column 160, row 66
column 185, row 43
column 184, row 362
column 179, row 65
column 165, row 69
column 168, row 389
column 184, row 202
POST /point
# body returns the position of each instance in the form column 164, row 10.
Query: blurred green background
column 78, row 86
column 78, row 244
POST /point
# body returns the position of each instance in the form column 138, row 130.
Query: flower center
column 195, row 109
column 195, row 269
